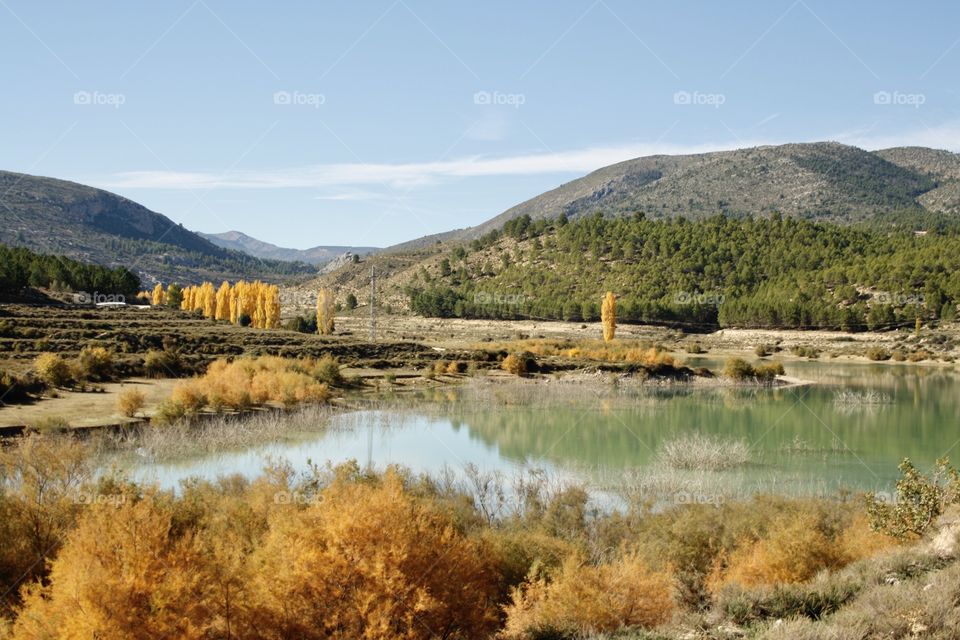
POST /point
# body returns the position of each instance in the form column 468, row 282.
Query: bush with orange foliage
column 41, row 483
column 515, row 364
column 122, row 574
column 368, row 560
column 794, row 550
column 189, row 395
column 584, row 599
column 247, row 382
column 130, row 402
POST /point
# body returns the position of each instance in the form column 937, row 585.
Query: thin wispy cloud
column 941, row 136
column 413, row 175
column 350, row 196
column 403, row 175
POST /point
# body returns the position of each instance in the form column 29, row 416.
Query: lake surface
column 849, row 430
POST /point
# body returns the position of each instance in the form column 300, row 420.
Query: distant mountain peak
column 317, row 256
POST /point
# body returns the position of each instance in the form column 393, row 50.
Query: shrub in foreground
column 919, row 500
column 583, row 599
column 374, row 562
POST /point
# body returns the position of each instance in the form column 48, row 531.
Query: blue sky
column 371, row 123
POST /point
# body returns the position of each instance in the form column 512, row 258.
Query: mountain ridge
column 317, row 256
column 94, row 225
column 819, row 180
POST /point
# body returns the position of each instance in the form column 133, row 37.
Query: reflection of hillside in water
column 624, row 430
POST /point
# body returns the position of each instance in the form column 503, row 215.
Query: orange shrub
column 53, row 369
column 794, row 550
column 287, row 387
column 517, row 365
column 371, row 561
column 227, row 385
column 121, row 574
column 130, row 402
column 585, row 599
column 858, row 540
column 189, row 395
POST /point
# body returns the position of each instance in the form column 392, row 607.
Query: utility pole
column 373, row 306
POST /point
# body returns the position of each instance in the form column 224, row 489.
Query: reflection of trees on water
column 622, row 432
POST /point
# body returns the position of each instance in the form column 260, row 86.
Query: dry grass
column 182, row 439
column 632, row 351
column 861, row 398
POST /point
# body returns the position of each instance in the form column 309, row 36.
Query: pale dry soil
column 456, row 333
column 86, row 409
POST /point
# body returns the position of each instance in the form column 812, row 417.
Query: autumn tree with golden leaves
column 608, row 316
column 223, row 302
column 325, row 311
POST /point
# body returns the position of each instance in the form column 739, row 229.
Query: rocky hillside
column 822, row 181
column 54, row 216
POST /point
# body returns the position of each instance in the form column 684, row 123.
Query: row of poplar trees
column 254, row 303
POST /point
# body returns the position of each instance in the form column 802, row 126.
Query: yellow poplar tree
column 235, row 304
column 260, row 311
column 248, row 299
column 156, row 297
column 198, row 298
column 325, row 312
column 608, row 316
column 223, row 301
column 273, row 307
column 209, row 299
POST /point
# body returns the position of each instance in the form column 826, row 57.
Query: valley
column 572, row 377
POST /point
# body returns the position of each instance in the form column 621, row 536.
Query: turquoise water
column 849, row 430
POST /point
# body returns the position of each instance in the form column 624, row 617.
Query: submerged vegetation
column 704, row 452
column 345, row 552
